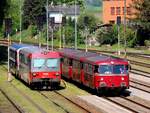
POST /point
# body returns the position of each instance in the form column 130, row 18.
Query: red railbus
column 35, row 66
column 94, row 70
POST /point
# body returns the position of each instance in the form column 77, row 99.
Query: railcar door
column 88, row 75
column 24, row 67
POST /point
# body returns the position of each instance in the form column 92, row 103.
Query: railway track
column 140, row 72
column 65, row 99
column 146, row 56
column 130, row 104
column 29, row 99
column 15, row 105
column 25, row 96
column 141, row 86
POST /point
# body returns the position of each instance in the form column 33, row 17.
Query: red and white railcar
column 35, row 66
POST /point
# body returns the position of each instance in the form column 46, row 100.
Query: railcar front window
column 105, row 69
column 50, row 64
column 118, row 69
column 37, row 63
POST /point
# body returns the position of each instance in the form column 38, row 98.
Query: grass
column 44, row 103
column 22, row 101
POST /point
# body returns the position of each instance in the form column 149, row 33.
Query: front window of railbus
column 42, row 64
column 113, row 69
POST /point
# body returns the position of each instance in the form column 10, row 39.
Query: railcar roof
column 18, row 46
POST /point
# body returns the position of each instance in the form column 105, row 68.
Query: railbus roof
column 69, row 52
column 105, row 59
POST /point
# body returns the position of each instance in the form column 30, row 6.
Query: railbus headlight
column 57, row 74
column 102, row 79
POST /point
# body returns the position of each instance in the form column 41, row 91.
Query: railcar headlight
column 122, row 78
column 102, row 79
column 34, row 74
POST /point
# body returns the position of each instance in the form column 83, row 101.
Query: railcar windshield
column 113, row 69
column 41, row 64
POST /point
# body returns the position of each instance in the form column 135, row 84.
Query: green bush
column 147, row 43
column 32, row 30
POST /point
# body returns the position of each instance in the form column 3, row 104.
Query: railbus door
column 76, row 70
column 66, row 67
column 88, row 75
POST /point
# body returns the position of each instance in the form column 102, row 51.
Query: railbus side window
column 85, row 67
column 76, row 64
column 62, row 60
column 81, row 65
column 90, row 69
column 95, row 69
column 65, row 61
column 70, row 62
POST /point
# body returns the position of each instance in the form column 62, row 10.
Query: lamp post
column 86, row 21
column 118, row 27
column 60, row 40
column 75, row 25
column 8, row 27
column 47, row 16
column 125, row 42
column 20, row 22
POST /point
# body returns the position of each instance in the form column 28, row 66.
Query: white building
column 62, row 10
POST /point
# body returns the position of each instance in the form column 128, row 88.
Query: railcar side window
column 13, row 54
column 23, row 59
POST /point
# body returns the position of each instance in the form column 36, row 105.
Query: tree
column 4, row 5
column 33, row 8
column 107, row 35
column 142, row 18
column 3, row 10
column 92, row 21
